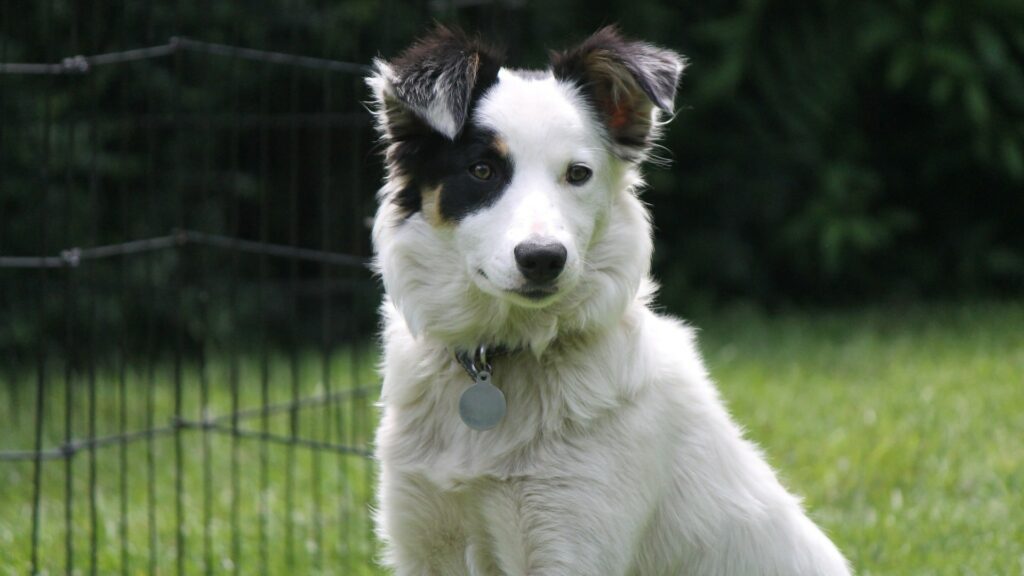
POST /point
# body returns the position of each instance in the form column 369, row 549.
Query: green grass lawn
column 903, row 428
column 246, row 504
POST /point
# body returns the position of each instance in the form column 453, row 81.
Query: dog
column 538, row 417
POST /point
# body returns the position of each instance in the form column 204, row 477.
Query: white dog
column 538, row 417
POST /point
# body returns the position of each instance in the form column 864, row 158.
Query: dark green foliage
column 850, row 151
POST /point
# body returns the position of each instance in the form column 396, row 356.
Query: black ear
column 626, row 81
column 432, row 84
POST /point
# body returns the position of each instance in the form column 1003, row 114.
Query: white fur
column 616, row 456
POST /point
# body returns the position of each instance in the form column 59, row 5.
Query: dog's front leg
column 423, row 528
column 569, row 527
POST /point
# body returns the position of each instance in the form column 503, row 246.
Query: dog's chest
column 429, row 437
column 556, row 408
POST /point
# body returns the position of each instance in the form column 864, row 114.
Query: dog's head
column 509, row 210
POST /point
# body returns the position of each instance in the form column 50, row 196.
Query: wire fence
column 73, row 257
column 198, row 401
column 80, row 64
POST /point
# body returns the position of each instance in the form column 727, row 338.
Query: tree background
column 824, row 153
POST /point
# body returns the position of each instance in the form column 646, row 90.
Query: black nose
column 540, row 262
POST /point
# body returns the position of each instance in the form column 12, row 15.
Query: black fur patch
column 445, row 70
column 623, row 79
column 433, row 160
column 449, row 71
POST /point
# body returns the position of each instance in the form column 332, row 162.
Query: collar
column 479, row 360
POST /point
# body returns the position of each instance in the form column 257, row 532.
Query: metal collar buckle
column 476, row 365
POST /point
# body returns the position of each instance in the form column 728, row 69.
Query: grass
column 295, row 510
column 903, row 428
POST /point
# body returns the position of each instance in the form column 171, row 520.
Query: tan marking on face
column 501, row 146
column 430, row 204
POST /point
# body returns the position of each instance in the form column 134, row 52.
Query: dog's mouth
column 536, row 293
column 530, row 294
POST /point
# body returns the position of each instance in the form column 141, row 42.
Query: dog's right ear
column 432, row 84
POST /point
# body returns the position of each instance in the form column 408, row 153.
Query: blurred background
column 841, row 216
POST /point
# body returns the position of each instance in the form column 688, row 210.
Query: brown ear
column 432, row 84
column 627, row 81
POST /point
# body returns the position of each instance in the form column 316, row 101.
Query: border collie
column 538, row 417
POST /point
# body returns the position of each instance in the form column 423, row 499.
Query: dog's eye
column 577, row 174
column 482, row 171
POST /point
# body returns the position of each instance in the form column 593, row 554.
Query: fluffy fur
column 616, row 455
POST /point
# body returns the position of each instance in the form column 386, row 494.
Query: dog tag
column 482, row 406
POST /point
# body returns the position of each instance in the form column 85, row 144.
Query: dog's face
column 520, row 189
column 502, row 183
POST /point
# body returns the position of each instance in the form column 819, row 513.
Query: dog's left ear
column 432, row 84
column 627, row 81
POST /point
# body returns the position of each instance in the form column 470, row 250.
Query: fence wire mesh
column 188, row 366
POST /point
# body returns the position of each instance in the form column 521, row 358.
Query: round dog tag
column 482, row 406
